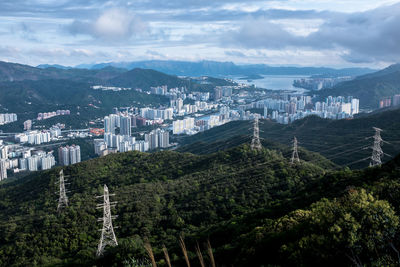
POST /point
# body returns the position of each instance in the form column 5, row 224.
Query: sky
column 341, row 33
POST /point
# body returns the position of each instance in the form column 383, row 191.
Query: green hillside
column 146, row 78
column 369, row 88
column 254, row 207
column 160, row 196
column 27, row 98
column 342, row 141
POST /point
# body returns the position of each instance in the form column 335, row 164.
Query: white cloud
column 114, row 25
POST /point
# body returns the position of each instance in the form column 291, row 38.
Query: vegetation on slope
column 160, row 196
column 342, row 141
column 28, row 98
column 254, row 207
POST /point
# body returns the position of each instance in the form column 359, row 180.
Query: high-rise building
column 125, row 128
column 23, row 164
column 47, row 161
column 355, row 106
column 63, row 156
column 27, row 125
column 152, row 138
column 345, row 108
column 163, row 138
column 384, row 103
column 108, row 127
column 140, row 121
column 292, row 108
column 69, row 155
column 3, row 152
column 227, row 91
column 133, row 121
column 217, row 93
column 3, row 169
column 33, row 163
column 396, row 100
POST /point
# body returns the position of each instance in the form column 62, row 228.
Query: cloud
column 234, row 53
column 114, row 25
column 362, row 37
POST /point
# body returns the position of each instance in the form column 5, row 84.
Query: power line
column 63, row 199
column 107, row 232
column 377, row 151
column 255, row 142
column 295, row 154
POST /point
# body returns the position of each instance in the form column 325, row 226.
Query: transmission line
column 255, row 142
column 295, row 154
column 377, row 151
column 107, row 232
column 63, row 199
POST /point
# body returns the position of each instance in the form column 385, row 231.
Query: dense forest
column 254, row 207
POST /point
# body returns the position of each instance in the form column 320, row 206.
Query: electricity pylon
column 107, row 232
column 255, row 142
column 295, row 154
column 63, row 199
column 377, row 151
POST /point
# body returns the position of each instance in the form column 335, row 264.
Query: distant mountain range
column 369, row 88
column 10, row 72
column 213, row 68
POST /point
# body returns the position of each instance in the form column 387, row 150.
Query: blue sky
column 287, row 32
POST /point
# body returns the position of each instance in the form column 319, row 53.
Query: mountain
column 106, row 75
column 254, row 207
column 26, row 91
column 212, row 68
column 45, row 66
column 369, row 88
column 18, row 72
column 342, row 141
column 146, row 78
column 10, row 72
column 28, row 98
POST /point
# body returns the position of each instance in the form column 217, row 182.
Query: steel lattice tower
column 255, row 142
column 377, row 151
column 63, row 199
column 107, row 232
column 295, row 154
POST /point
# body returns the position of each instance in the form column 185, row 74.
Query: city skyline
column 318, row 33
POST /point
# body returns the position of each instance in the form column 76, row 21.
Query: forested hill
column 160, row 196
column 369, row 88
column 28, row 98
column 254, row 207
column 342, row 141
